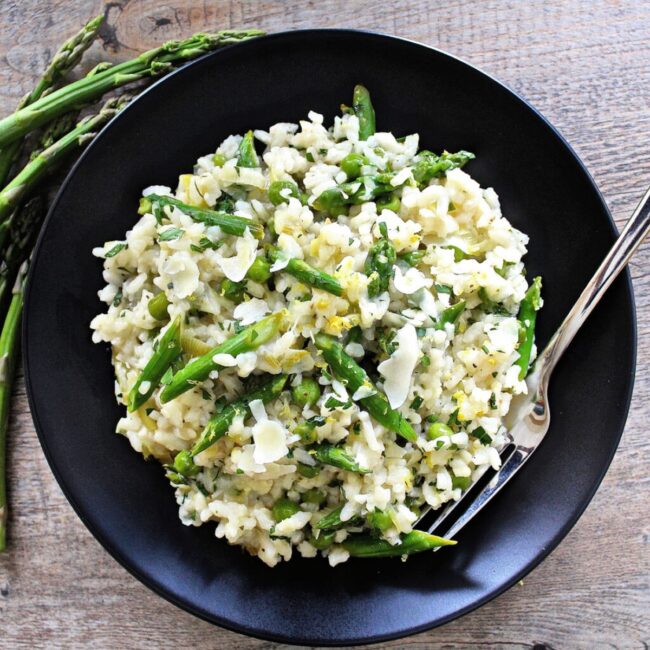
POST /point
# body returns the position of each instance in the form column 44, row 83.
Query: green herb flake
column 171, row 234
column 416, row 403
column 115, row 250
column 118, row 299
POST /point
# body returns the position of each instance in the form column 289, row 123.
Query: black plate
column 125, row 502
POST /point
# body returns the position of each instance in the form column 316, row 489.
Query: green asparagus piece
column 413, row 258
column 363, row 109
column 168, row 350
column 9, row 346
column 65, row 59
column 283, row 509
column 366, row 188
column 149, row 64
column 220, row 422
column 332, row 521
column 14, row 193
column 429, row 165
column 527, row 317
column 229, row 223
column 246, row 156
column 308, row 274
column 346, row 368
column 336, row 457
column 450, row 315
column 379, row 264
column 414, row 542
column 250, row 338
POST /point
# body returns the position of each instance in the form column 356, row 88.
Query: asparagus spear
column 229, row 223
column 220, row 422
column 9, row 346
column 308, row 274
column 347, row 369
column 332, row 521
column 65, row 59
column 149, row 64
column 450, row 315
column 379, row 263
column 250, row 338
column 246, row 156
column 24, row 228
column 13, row 194
column 362, row 107
column 527, row 317
column 168, row 350
column 429, row 165
column 335, row 456
column 414, row 542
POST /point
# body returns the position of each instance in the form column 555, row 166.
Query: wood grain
column 583, row 64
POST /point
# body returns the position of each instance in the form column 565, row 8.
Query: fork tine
column 518, row 457
column 452, row 505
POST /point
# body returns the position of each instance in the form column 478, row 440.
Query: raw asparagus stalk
column 347, row 369
column 66, row 58
column 229, row 223
column 527, row 317
column 414, row 542
column 25, row 180
column 220, row 422
column 250, row 338
column 9, row 346
column 308, row 274
column 168, row 350
column 24, row 229
column 149, row 64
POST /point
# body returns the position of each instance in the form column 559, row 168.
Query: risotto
column 321, row 339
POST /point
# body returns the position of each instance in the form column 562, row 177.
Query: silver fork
column 529, row 417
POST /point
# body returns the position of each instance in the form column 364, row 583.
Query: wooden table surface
column 583, row 64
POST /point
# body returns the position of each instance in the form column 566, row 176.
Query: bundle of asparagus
column 52, row 110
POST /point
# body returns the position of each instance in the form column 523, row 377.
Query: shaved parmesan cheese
column 411, row 281
column 505, row 336
column 180, row 272
column 427, row 303
column 160, row 190
column 257, row 410
column 398, row 369
column 250, row 311
column 369, row 433
column 236, row 267
column 270, row 439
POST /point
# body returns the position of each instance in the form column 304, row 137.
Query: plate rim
column 150, row 581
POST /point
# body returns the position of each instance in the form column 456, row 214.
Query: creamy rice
column 464, row 373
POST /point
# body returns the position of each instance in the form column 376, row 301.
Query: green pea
column 278, row 191
column 352, row 164
column 308, row 471
column 283, row 509
column 389, row 202
column 307, row 432
column 323, row 541
column 158, row 305
column 219, row 160
column 438, row 429
column 462, row 482
column 379, row 520
column 314, row 496
column 306, row 392
column 259, row 270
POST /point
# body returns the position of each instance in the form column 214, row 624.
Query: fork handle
column 629, row 240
